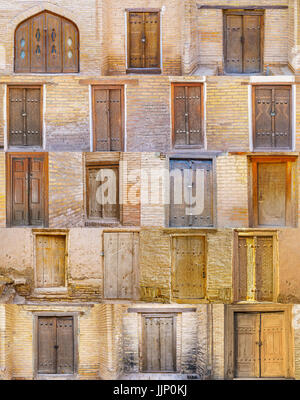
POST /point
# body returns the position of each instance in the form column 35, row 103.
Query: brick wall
column 2, row 190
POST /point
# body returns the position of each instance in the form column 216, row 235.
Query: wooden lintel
column 109, row 81
column 161, row 310
column 26, row 83
column 221, row 7
column 273, row 83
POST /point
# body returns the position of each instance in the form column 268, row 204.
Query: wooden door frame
column 288, row 349
column 193, row 146
column 8, row 111
column 35, row 347
column 242, row 12
column 122, row 104
column 235, row 270
column 271, row 86
column 9, row 185
column 291, row 191
column 143, row 348
column 156, row 70
column 184, row 300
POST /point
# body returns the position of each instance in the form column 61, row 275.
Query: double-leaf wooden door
column 55, row 345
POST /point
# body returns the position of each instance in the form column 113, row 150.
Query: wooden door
column 242, row 44
column 259, row 345
column 24, row 116
column 108, row 118
column 191, row 193
column 272, row 117
column 50, row 260
column 187, row 115
column 55, row 345
column 121, row 252
column 271, row 192
column 143, row 40
column 38, row 44
column 103, row 193
column 189, row 275
column 159, row 344
column 54, row 42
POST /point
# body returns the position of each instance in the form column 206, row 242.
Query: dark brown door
column 272, row 117
column 108, row 118
column 243, row 43
column 159, row 344
column 191, row 193
column 187, row 115
column 144, row 40
column 27, row 190
column 25, row 117
column 55, row 345
column 259, row 345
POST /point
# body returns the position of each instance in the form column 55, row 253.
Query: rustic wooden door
column 189, row 274
column 100, row 204
column 242, row 44
column 27, row 190
column 187, row 115
column 272, row 117
column 55, row 345
column 121, row 252
column 259, row 345
column 159, row 344
column 255, row 268
column 108, row 118
column 24, row 116
column 191, row 193
column 143, row 40
column 50, row 260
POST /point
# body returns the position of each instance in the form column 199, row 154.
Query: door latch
column 259, row 343
column 273, row 113
column 56, row 346
column 24, row 115
column 143, row 39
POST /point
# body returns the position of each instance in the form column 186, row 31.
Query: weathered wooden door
column 255, row 268
column 27, row 190
column 50, row 260
column 103, row 192
column 242, row 44
column 259, row 345
column 55, row 345
column 143, row 40
column 24, row 116
column 187, row 115
column 272, row 117
column 159, row 343
column 191, row 193
column 108, row 118
column 189, row 275
column 121, row 255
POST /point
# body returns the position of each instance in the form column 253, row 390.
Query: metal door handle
column 143, row 39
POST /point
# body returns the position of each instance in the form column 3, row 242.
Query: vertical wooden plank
column 242, row 268
column 202, row 217
column 252, row 40
column 65, row 343
column 115, row 119
column 33, row 119
column 111, row 242
column 125, row 265
column 53, row 40
column 22, row 47
column 94, row 207
column 283, row 131
column 39, row 264
column 36, row 191
column 135, row 42
column 234, row 47
column 19, row 172
column 178, row 216
column 135, row 266
column 152, row 47
column 38, row 44
column 46, row 345
column 264, row 268
column 70, row 47
column 101, row 128
column 263, row 119
column 194, row 115
column 110, row 211
column 166, row 344
column 251, row 284
column 179, row 116
column 17, row 99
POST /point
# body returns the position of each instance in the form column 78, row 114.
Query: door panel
column 22, row 48
column 65, row 342
column 152, row 45
column 179, row 116
column 38, row 44
column 36, row 194
column 136, row 57
column 46, row 345
column 17, row 99
column 251, row 25
column 33, row 119
column 102, row 119
column 263, row 118
column 53, row 40
column 115, row 119
column 234, row 46
column 264, row 269
column 243, row 268
column 282, row 118
column 19, row 191
column 194, row 115
column 70, row 47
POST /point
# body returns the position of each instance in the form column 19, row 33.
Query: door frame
column 242, row 11
column 9, row 185
column 36, row 315
column 230, row 311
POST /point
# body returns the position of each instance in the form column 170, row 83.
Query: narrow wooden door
column 50, row 260
column 272, row 117
column 143, row 40
column 121, row 251
column 242, row 44
column 159, row 344
column 24, row 117
column 191, row 193
column 55, row 345
column 108, row 118
column 260, row 345
column 189, row 267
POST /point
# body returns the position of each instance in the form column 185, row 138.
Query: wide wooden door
column 242, row 44
column 191, row 193
column 121, row 252
column 159, row 344
column 50, row 260
column 259, row 345
column 272, row 117
column 189, row 275
column 55, row 345
column 143, row 40
column 108, row 118
column 24, row 116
